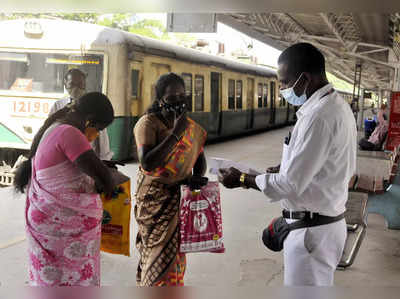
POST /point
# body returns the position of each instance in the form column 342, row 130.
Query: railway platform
column 245, row 213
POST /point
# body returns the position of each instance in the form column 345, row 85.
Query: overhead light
column 33, row 29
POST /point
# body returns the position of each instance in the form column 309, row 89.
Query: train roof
column 65, row 34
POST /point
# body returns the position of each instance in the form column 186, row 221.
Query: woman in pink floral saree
column 63, row 207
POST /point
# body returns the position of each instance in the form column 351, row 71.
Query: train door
column 272, row 102
column 250, row 103
column 215, row 108
column 135, row 105
column 135, row 92
column 157, row 69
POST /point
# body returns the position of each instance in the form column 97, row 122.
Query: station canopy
column 346, row 39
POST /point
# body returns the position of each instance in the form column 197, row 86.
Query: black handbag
column 275, row 234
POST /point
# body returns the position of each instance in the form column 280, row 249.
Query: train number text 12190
column 30, row 107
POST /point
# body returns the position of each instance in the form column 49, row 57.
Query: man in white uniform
column 318, row 160
column 75, row 84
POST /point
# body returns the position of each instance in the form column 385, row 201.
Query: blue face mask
column 291, row 96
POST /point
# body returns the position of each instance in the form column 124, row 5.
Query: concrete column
column 380, row 97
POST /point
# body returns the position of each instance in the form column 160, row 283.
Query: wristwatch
column 242, row 181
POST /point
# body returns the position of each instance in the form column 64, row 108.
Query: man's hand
column 230, row 178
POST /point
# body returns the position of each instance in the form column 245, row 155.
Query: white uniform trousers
column 312, row 254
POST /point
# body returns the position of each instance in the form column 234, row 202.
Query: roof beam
column 372, row 51
column 323, row 38
column 372, row 45
column 333, row 28
column 354, row 55
column 232, row 22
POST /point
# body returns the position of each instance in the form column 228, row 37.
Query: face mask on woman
column 91, row 133
column 176, row 105
column 92, row 130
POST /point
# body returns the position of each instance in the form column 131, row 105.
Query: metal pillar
column 356, row 90
column 361, row 112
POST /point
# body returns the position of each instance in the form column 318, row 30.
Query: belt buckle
column 290, row 214
column 311, row 215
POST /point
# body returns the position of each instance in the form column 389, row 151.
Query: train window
column 239, row 85
column 231, row 94
column 199, row 93
column 265, row 94
column 188, row 89
column 44, row 72
column 260, row 95
column 135, row 83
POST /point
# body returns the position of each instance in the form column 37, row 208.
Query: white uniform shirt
column 320, row 159
column 101, row 145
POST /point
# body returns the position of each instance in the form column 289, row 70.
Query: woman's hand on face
column 180, row 125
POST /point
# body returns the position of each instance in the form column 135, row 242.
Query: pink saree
column 63, row 227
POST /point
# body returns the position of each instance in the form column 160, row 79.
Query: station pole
column 380, row 98
column 361, row 112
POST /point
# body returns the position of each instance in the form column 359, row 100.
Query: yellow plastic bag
column 116, row 217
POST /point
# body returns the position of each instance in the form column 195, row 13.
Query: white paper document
column 216, row 163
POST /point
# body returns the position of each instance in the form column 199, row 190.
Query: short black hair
column 303, row 57
column 74, row 71
column 166, row 80
column 97, row 105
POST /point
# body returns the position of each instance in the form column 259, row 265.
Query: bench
column 356, row 219
column 376, row 163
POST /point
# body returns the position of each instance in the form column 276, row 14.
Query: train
column 226, row 97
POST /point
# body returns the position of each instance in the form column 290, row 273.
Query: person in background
column 378, row 136
column 318, row 160
column 170, row 151
column 62, row 179
column 75, row 84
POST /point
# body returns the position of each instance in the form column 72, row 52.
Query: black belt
column 310, row 216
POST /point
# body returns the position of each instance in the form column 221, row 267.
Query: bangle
column 176, row 137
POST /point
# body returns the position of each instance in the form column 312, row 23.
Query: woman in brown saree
column 170, row 151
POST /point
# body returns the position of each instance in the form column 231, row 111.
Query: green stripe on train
column 120, row 133
column 8, row 136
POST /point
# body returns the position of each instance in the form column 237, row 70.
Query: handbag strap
column 318, row 220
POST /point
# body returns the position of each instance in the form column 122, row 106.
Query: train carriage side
column 264, row 106
column 223, row 100
column 247, row 104
column 234, row 107
column 281, row 110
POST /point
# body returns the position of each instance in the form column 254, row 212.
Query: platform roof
column 346, row 39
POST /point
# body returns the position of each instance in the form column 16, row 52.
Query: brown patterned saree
column 158, row 198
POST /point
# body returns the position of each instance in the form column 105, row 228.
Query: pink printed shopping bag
column 201, row 220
